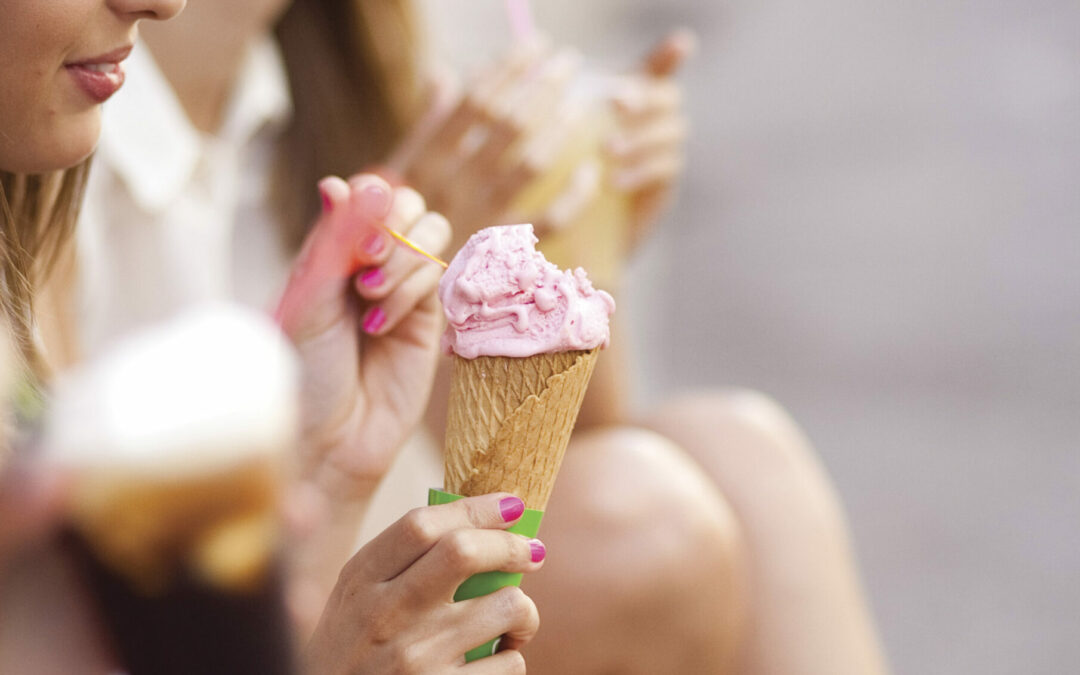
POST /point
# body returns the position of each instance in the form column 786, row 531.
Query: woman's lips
column 100, row 77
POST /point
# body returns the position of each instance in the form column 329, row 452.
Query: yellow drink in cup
column 594, row 237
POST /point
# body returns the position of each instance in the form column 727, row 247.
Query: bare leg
column 644, row 570
column 808, row 612
column 804, row 605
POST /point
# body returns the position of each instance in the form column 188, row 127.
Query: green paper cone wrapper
column 489, row 582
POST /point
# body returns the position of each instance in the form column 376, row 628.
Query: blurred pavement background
column 880, row 227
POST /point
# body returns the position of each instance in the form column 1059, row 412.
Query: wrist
column 344, row 491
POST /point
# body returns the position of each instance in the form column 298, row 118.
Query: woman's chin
column 62, row 145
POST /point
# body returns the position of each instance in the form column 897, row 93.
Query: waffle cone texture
column 509, row 422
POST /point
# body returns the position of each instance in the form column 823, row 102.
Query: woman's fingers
column 347, row 236
column 431, row 234
column 638, row 99
column 396, row 287
column 661, row 170
column 408, row 206
column 666, row 135
column 506, row 613
column 664, row 59
column 393, row 605
column 462, row 553
column 474, row 107
column 524, row 106
column 503, row 663
column 417, row 532
column 384, row 316
column 525, row 621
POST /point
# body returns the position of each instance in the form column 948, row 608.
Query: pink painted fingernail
column 375, row 244
column 538, row 550
column 511, row 508
column 373, row 277
column 327, row 203
column 377, row 201
column 374, row 320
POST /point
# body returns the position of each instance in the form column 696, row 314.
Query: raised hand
column 499, row 152
column 475, row 152
column 648, row 146
column 363, row 315
column 392, row 610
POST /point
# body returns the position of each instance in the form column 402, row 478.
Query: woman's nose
column 148, row 9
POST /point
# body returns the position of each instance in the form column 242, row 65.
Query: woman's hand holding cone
column 393, row 611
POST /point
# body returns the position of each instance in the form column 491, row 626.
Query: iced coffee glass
column 177, row 441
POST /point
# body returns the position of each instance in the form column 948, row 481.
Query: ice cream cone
column 510, row 420
column 524, row 337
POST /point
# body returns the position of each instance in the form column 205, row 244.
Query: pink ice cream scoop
column 502, row 298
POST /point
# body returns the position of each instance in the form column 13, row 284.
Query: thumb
column 665, row 58
column 348, row 235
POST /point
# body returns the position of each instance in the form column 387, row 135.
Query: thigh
column 644, row 571
column 808, row 613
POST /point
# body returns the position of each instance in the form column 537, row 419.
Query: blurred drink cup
column 575, row 193
column 178, row 440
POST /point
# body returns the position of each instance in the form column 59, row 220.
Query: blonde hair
column 354, row 73
column 37, row 219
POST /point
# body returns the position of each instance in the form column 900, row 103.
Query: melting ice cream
column 503, row 298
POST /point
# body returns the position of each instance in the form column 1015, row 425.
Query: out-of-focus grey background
column 880, row 226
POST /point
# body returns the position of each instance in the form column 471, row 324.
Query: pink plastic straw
column 521, row 19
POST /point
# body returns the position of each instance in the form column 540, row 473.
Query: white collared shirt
column 174, row 216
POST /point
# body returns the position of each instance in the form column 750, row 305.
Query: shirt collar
column 153, row 147
column 261, row 98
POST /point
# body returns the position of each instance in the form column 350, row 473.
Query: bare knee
column 754, row 451
column 645, row 568
column 723, row 415
column 809, row 613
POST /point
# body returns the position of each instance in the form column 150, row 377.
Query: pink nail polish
column 538, row 550
column 327, row 203
column 511, row 508
column 376, row 201
column 374, row 320
column 375, row 244
column 373, row 277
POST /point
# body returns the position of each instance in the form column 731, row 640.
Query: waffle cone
column 509, row 422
